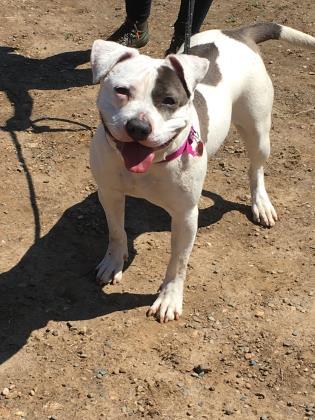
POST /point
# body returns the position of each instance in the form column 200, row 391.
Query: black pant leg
column 138, row 10
column 200, row 12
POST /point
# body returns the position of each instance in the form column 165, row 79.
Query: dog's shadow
column 55, row 279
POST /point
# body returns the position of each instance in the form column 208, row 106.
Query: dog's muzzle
column 138, row 129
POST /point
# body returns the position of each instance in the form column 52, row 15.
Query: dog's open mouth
column 138, row 158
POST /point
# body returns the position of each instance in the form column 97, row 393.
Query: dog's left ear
column 189, row 68
column 105, row 55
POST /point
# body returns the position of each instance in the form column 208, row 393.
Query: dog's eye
column 122, row 90
column 168, row 100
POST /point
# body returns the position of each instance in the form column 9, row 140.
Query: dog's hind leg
column 256, row 137
column 111, row 266
column 252, row 116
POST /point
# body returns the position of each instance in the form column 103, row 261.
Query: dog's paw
column 263, row 211
column 168, row 306
column 110, row 268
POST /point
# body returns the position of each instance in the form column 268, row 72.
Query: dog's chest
column 167, row 184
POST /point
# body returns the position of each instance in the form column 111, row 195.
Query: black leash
column 191, row 7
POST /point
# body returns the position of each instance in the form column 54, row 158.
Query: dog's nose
column 138, row 129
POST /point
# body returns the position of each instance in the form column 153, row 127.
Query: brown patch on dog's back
column 211, row 52
column 255, row 34
column 202, row 111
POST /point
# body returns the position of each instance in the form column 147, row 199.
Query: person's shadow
column 55, row 279
column 19, row 75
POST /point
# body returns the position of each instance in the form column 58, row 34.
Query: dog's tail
column 263, row 31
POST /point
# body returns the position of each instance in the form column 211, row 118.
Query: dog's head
column 144, row 102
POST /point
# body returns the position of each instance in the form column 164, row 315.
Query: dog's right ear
column 105, row 55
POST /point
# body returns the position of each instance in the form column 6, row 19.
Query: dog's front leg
column 168, row 306
column 111, row 266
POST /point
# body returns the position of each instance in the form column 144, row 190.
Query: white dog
column 161, row 118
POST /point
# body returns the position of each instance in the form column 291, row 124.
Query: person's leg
column 134, row 31
column 200, row 12
column 138, row 11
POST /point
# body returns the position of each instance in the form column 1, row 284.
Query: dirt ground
column 244, row 346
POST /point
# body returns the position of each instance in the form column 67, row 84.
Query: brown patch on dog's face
column 255, row 34
column 211, row 52
column 168, row 94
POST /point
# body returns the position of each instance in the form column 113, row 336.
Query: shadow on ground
column 55, row 279
column 19, row 75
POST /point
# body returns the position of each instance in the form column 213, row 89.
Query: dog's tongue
column 137, row 158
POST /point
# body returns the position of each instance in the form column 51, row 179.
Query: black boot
column 131, row 34
column 176, row 42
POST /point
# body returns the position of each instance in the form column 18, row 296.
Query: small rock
column 259, row 313
column 20, row 413
column 201, row 370
column 252, row 363
column 211, row 388
column 100, row 373
column 5, row 392
column 228, row 411
column 287, row 343
column 32, row 392
column 83, row 330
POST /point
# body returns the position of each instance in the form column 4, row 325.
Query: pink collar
column 193, row 146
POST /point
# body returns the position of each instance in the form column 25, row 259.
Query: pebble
column 252, row 363
column 20, row 413
column 263, row 417
column 228, row 411
column 100, row 373
column 259, row 313
column 201, row 370
column 5, row 392
column 287, row 343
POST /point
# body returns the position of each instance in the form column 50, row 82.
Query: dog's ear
column 105, row 55
column 189, row 68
